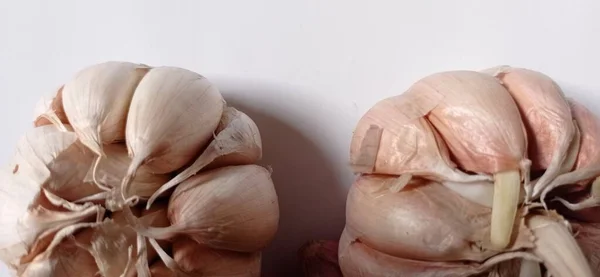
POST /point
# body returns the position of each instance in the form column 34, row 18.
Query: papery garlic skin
column 22, row 183
column 407, row 143
column 97, row 100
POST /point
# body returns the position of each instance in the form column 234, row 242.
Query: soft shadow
column 311, row 196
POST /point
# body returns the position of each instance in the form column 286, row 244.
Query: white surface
column 305, row 70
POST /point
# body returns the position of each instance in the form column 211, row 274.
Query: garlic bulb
column 231, row 208
column 172, row 116
column 407, row 216
column 237, row 142
column 73, row 196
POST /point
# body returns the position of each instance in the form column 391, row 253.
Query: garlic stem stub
column 507, row 188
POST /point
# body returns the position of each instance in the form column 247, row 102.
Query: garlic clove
column 587, row 165
column 393, row 137
column 547, row 118
column 232, row 208
column 417, row 222
column 237, row 142
column 557, row 248
column 320, row 258
column 97, row 99
column 172, row 116
column 201, row 260
column 358, row 259
column 480, row 122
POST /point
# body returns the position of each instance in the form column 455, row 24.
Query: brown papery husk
column 394, row 138
column 51, row 112
column 201, row 260
column 320, row 259
column 172, row 117
column 358, row 259
column 546, row 115
column 237, row 142
column 232, row 208
column 425, row 221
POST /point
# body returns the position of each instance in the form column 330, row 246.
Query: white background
column 304, row 70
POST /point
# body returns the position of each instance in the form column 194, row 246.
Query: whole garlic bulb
column 73, row 199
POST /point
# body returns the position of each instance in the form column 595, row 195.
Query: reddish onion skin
column 424, row 221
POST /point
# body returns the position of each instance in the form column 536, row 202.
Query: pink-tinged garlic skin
column 359, row 260
column 408, row 143
column 425, row 221
column 544, row 110
column 476, row 117
column 589, row 126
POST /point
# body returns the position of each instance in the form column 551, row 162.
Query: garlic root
column 507, row 188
